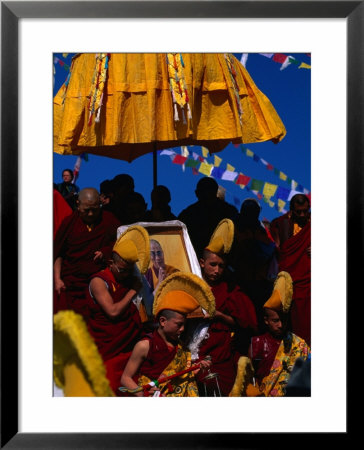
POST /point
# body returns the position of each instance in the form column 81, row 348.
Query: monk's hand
column 59, row 286
column 161, row 274
column 98, row 255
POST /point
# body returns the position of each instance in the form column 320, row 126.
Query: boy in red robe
column 235, row 313
column 161, row 353
column 114, row 320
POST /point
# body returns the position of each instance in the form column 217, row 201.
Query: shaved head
column 88, row 205
column 88, row 194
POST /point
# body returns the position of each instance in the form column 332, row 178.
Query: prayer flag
column 256, row 158
column 282, row 193
column 256, row 185
column 194, row 171
column 304, row 66
column 167, row 152
column 76, row 168
column 184, row 152
column 285, row 64
column 192, row 163
column 179, row 159
column 276, row 171
column 282, row 176
column 205, row 168
column 195, row 155
column 236, row 145
column 64, row 55
column 267, row 55
column 292, row 193
column 264, row 161
column 269, row 189
column 242, row 179
column 279, row 58
column 294, row 185
column 270, row 167
column 217, row 161
column 249, row 153
column 293, row 61
column 217, row 172
column 205, row 152
column 281, row 204
column 244, row 59
column 230, row 168
column 229, row 176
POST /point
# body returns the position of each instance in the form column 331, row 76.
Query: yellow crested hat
column 222, row 238
column 78, row 368
column 281, row 297
column 133, row 247
column 185, row 293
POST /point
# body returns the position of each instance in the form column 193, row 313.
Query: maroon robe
column 158, row 357
column 113, row 336
column 77, row 246
column 263, row 352
column 294, row 259
column 219, row 344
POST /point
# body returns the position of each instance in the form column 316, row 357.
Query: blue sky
column 289, row 90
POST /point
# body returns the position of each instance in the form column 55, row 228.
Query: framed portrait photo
column 332, row 33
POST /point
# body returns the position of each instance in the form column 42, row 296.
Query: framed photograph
column 30, row 33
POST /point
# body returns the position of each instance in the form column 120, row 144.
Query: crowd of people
column 240, row 328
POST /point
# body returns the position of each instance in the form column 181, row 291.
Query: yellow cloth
column 273, row 385
column 296, row 229
column 183, row 386
column 137, row 107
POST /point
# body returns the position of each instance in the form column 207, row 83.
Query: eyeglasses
column 156, row 253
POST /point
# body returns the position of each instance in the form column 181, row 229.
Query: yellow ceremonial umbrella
column 124, row 105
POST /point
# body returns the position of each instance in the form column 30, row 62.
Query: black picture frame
column 11, row 12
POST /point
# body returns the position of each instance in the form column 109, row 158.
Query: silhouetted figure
column 123, row 185
column 67, row 189
column 253, row 257
column 202, row 217
column 134, row 208
column 106, row 194
column 160, row 210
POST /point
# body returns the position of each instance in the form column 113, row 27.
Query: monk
column 82, row 246
column 235, row 313
column 115, row 316
column 161, row 353
column 292, row 234
column 159, row 270
column 274, row 353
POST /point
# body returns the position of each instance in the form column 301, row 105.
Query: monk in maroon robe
column 82, row 246
column 234, row 312
column 292, row 233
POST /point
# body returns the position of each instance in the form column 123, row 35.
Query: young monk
column 235, row 313
column 274, row 353
column 114, row 320
column 161, row 354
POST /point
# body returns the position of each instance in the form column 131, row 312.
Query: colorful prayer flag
column 269, row 189
column 192, row 163
column 304, row 66
column 217, row 161
column 249, row 153
column 217, row 172
column 179, row 159
column 205, row 152
column 282, row 176
column 229, row 176
column 205, row 168
column 230, row 168
column 256, row 185
column 282, row 193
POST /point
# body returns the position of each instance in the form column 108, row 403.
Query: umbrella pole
column 155, row 166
